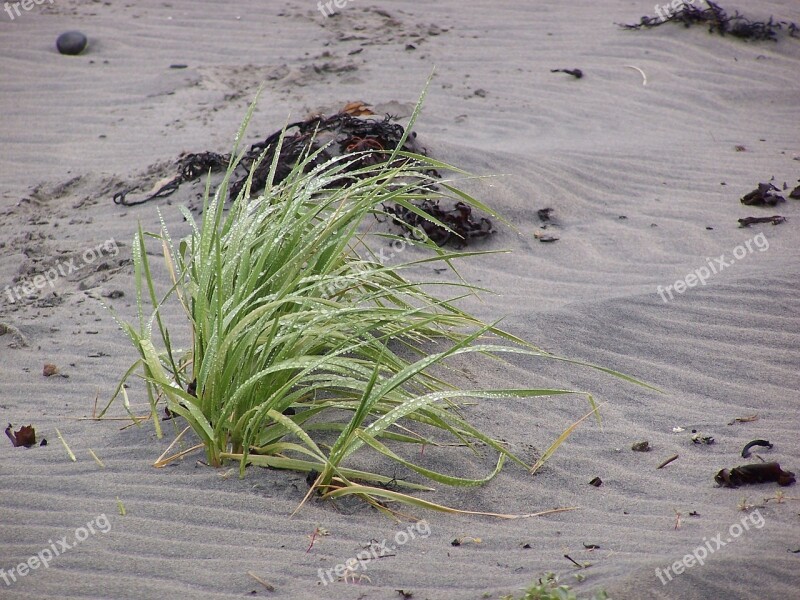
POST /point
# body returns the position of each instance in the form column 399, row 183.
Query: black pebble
column 71, row 42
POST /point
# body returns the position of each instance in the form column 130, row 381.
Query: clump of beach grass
column 294, row 323
column 548, row 587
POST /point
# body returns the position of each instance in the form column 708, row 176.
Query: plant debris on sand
column 774, row 219
column 353, row 132
column 306, row 348
column 548, row 587
column 764, row 195
column 370, row 141
column 576, row 73
column 458, row 221
column 755, row 473
column 189, row 166
column 25, row 436
column 717, row 20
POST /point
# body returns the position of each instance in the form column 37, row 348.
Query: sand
column 644, row 181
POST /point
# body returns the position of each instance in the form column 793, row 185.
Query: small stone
column 49, row 370
column 643, row 446
column 71, row 42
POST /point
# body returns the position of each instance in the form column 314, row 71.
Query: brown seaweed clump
column 323, row 137
column 460, row 225
column 717, row 20
column 753, row 474
column 354, row 133
column 371, row 141
column 326, row 138
column 774, row 219
column 765, row 194
column 189, row 166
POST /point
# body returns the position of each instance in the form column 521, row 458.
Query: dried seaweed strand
column 717, row 20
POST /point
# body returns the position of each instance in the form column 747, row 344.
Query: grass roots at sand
column 295, row 323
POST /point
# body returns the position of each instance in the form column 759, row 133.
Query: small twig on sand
column 263, row 582
column 97, row 458
column 63, row 441
column 644, row 77
column 318, row 531
column 666, row 462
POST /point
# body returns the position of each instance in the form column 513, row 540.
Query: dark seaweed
column 774, row 219
column 544, row 214
column 576, row 73
column 755, row 473
column 329, row 137
column 461, row 226
column 344, row 134
column 332, row 136
column 190, row 166
column 763, row 195
column 746, row 450
column 370, row 141
column 717, row 20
